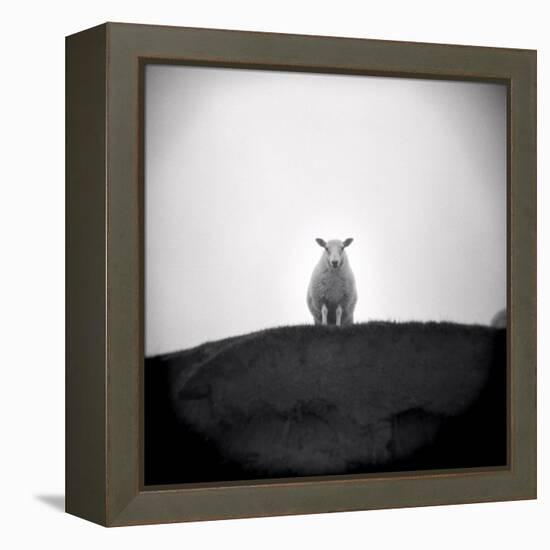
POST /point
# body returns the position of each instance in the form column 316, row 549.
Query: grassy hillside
column 310, row 400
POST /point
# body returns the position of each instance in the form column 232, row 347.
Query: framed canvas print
column 301, row 274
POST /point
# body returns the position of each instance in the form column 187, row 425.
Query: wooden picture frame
column 104, row 190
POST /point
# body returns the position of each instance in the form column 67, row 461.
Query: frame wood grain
column 104, row 185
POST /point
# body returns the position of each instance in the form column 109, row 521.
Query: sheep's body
column 499, row 319
column 332, row 295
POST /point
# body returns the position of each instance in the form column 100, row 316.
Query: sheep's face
column 335, row 253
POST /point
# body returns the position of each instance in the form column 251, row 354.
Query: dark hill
column 311, row 400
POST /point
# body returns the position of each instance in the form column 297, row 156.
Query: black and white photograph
column 274, row 275
column 324, row 274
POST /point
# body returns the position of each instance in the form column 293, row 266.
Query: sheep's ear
column 321, row 243
column 347, row 242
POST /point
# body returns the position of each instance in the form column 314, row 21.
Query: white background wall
column 245, row 168
column 32, row 289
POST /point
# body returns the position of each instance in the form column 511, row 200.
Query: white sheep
column 331, row 295
column 499, row 320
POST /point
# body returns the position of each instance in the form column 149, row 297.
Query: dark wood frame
column 104, row 280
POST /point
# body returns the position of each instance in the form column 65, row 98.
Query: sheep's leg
column 324, row 314
column 339, row 316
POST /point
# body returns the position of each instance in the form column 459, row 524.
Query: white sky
column 245, row 168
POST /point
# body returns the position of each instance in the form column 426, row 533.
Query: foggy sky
column 244, row 169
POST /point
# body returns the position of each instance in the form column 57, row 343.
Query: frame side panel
column 523, row 284
column 85, row 415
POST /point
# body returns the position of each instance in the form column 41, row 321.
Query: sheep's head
column 335, row 252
